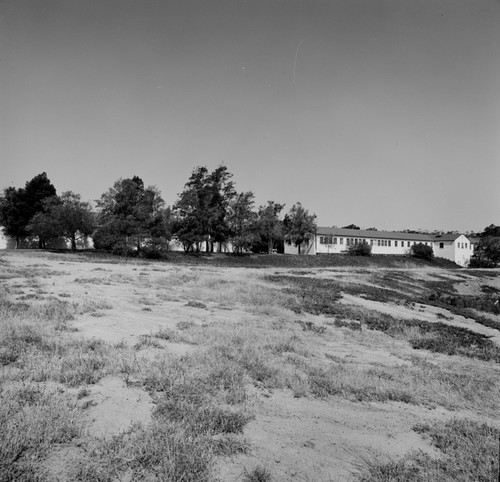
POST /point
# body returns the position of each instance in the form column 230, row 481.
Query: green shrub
column 361, row 249
column 422, row 251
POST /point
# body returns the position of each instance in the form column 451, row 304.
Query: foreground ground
column 116, row 370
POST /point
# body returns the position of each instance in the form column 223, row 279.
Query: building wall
column 460, row 250
column 3, row 240
column 339, row 244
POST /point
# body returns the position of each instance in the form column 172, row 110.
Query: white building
column 455, row 247
column 3, row 239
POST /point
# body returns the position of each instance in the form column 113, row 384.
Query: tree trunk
column 298, row 246
column 270, row 246
column 73, row 242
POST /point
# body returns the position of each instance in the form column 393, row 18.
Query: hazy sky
column 381, row 113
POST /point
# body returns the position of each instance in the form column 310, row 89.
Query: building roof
column 364, row 233
column 447, row 237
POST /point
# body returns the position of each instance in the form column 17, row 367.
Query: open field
column 219, row 370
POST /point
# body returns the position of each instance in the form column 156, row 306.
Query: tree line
column 131, row 218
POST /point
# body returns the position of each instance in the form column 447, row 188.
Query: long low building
column 455, row 247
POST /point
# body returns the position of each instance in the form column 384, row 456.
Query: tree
column 351, row 226
column 127, row 215
column 63, row 217
column 241, row 221
column 44, row 227
column 14, row 213
column 193, row 210
column 269, row 226
column 422, row 251
column 299, row 225
column 202, row 208
column 491, row 230
column 18, row 206
column 487, row 251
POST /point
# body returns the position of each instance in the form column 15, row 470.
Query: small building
column 455, row 247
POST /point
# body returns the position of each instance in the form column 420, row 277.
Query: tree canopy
column 203, row 207
column 65, row 217
column 128, row 214
column 269, row 226
column 18, row 206
column 300, row 226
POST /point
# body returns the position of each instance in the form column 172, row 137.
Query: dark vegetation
column 422, row 251
column 359, row 249
column 132, row 219
column 277, row 260
column 320, row 296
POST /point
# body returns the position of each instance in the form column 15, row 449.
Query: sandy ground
column 296, row 438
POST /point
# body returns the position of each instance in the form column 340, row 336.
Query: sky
column 381, row 113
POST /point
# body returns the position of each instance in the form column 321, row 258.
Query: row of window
column 379, row 242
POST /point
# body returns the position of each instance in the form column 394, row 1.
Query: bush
column 481, row 262
column 422, row 251
column 361, row 249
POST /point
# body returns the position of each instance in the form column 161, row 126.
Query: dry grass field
column 130, row 370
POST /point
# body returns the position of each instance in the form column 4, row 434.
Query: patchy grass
column 470, row 452
column 201, row 399
column 320, row 296
column 33, row 420
column 162, row 451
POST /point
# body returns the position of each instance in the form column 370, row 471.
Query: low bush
column 422, row 251
column 360, row 249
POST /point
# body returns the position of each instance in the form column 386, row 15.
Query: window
column 395, row 244
column 334, row 240
column 441, row 245
column 466, row 246
column 341, row 240
column 408, row 243
column 389, row 242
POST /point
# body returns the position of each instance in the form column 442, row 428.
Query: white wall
column 379, row 246
column 458, row 251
